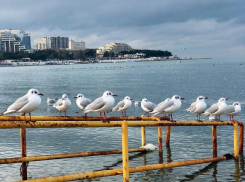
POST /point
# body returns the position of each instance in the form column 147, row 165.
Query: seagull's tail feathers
column 7, row 112
column 87, row 111
column 155, row 113
column 206, row 114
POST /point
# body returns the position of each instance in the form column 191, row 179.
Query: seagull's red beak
column 205, row 98
column 226, row 98
column 182, row 98
column 40, row 94
column 131, row 99
column 114, row 95
column 75, row 97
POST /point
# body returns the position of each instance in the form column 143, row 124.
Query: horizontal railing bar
column 74, row 124
column 88, row 175
column 62, row 156
column 75, row 118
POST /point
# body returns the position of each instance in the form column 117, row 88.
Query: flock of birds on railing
column 103, row 104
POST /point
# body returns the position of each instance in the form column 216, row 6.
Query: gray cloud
column 204, row 27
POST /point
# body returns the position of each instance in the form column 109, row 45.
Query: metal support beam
column 214, row 140
column 159, row 138
column 168, row 135
column 125, row 151
column 143, row 138
column 23, row 153
column 241, row 139
column 236, row 148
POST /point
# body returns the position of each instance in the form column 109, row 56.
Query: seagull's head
column 79, row 96
column 108, row 93
column 64, row 97
column 127, row 98
column 201, row 98
column 236, row 104
column 222, row 100
column 144, row 100
column 177, row 97
column 34, row 91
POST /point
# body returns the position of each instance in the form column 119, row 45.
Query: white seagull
column 147, row 106
column 82, row 102
column 123, row 105
column 232, row 110
column 101, row 104
column 217, row 109
column 198, row 107
column 169, row 106
column 51, row 101
column 149, row 147
column 137, row 103
column 25, row 104
column 63, row 104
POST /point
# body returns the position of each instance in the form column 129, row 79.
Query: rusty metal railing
column 8, row 122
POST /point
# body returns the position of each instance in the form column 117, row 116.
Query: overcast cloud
column 206, row 28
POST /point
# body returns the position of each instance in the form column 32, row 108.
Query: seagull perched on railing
column 82, row 102
column 123, row 105
column 63, row 104
column 101, row 104
column 147, row 106
column 198, row 107
column 217, row 109
column 232, row 110
column 25, row 104
column 169, row 106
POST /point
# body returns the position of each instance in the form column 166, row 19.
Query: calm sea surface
column 214, row 78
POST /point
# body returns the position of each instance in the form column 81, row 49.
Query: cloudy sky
column 206, row 28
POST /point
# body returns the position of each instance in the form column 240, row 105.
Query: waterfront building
column 76, row 46
column 113, row 47
column 51, row 43
column 14, row 40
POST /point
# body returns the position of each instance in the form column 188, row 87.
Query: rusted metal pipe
column 241, row 139
column 160, row 138
column 73, row 124
column 23, row 153
column 125, row 151
column 62, row 156
column 113, row 172
column 214, row 140
column 236, row 148
column 143, row 138
column 168, row 135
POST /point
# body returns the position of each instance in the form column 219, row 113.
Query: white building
column 76, row 46
column 113, row 47
column 14, row 40
column 51, row 43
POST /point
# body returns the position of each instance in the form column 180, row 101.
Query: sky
column 206, row 28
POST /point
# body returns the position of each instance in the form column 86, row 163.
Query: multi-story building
column 113, row 47
column 76, row 46
column 51, row 43
column 14, row 40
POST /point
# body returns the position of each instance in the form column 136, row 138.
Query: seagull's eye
column 109, row 93
column 35, row 92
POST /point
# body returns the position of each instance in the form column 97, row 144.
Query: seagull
column 198, row 107
column 149, row 147
column 63, row 104
column 232, row 110
column 136, row 103
column 147, row 106
column 160, row 107
column 123, row 105
column 25, row 104
column 169, row 107
column 51, row 101
column 217, row 109
column 82, row 102
column 101, row 104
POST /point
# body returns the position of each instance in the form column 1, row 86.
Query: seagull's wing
column 192, row 108
column 84, row 102
column 120, row 104
column 212, row 109
column 164, row 106
column 58, row 103
column 97, row 104
column 230, row 109
column 151, row 106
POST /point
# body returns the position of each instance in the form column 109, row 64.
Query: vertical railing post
column 143, row 140
column 241, row 139
column 236, row 148
column 168, row 135
column 214, row 140
column 159, row 138
column 125, row 151
column 23, row 153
